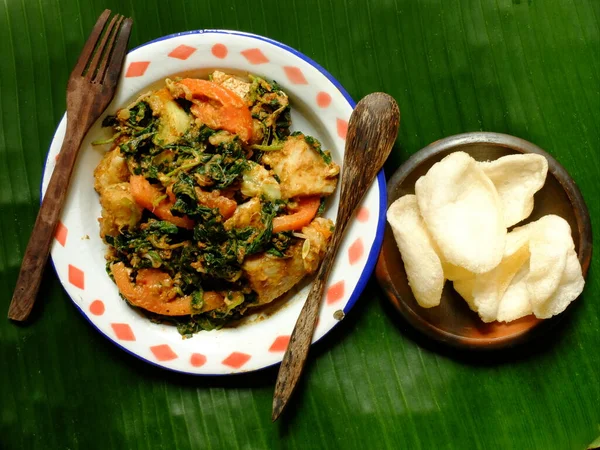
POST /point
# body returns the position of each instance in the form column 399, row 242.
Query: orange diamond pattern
column 280, row 344
column 356, row 251
column 123, row 331
column 76, row 277
column 236, row 360
column 295, row 75
column 163, row 352
column 335, row 292
column 61, row 234
column 137, row 69
column 255, row 56
column 182, row 52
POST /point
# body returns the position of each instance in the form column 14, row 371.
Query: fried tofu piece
column 111, row 170
column 258, row 182
column 246, row 215
column 270, row 276
column 233, row 83
column 174, row 121
column 302, row 171
column 119, row 209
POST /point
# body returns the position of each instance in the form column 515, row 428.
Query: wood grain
column 90, row 89
column 372, row 131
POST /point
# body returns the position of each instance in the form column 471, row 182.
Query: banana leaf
column 525, row 67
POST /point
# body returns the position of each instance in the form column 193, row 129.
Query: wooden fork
column 90, row 89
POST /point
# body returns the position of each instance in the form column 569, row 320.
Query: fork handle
column 38, row 247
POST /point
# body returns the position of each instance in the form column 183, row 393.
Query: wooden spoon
column 372, row 131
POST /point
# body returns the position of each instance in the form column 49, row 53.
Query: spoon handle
column 297, row 351
column 372, row 131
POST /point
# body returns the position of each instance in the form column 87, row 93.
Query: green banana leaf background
column 530, row 68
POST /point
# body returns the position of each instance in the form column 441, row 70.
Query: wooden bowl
column 452, row 322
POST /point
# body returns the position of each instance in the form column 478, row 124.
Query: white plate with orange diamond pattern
column 320, row 107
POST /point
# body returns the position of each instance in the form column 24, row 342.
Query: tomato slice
column 218, row 107
column 147, row 195
column 153, row 292
column 226, row 206
column 304, row 214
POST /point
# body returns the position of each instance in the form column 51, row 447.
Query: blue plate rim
column 373, row 253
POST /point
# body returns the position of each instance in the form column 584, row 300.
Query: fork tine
column 107, row 50
column 115, row 59
column 98, row 54
column 90, row 44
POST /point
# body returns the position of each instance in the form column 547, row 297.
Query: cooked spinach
column 321, row 209
column 198, row 299
column 187, row 202
column 279, row 244
column 223, row 164
column 208, row 257
column 268, row 213
column 110, row 121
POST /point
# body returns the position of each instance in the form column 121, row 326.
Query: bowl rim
column 570, row 187
column 373, row 253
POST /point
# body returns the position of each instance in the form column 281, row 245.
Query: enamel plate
column 320, row 107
